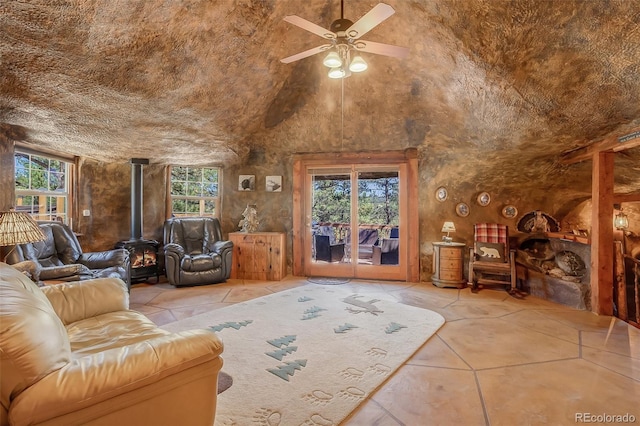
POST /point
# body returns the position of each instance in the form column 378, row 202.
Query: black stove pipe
column 136, row 197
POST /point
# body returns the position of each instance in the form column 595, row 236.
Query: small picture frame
column 441, row 194
column 273, row 183
column 462, row 209
column 247, row 183
column 509, row 212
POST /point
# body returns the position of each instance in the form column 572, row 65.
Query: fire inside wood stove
column 144, row 258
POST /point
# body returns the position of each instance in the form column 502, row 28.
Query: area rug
column 310, row 355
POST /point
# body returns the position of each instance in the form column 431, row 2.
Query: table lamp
column 448, row 227
column 18, row 228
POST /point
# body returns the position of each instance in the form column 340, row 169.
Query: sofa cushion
column 201, row 262
column 34, row 341
column 110, row 330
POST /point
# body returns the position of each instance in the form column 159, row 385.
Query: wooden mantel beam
column 612, row 143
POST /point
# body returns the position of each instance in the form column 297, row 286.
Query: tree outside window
column 195, row 191
column 41, row 186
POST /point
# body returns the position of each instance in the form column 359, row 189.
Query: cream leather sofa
column 74, row 353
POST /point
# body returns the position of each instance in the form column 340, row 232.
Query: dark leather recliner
column 194, row 251
column 59, row 257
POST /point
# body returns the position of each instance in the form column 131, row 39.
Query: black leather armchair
column 194, row 251
column 60, row 257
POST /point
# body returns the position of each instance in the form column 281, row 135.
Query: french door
column 353, row 219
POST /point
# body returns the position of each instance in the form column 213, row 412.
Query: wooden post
column 602, row 234
column 621, row 282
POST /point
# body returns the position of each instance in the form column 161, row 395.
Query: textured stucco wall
column 105, row 190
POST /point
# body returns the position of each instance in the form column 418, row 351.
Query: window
column 195, row 191
column 42, row 186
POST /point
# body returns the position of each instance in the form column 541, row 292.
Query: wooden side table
column 448, row 265
column 258, row 255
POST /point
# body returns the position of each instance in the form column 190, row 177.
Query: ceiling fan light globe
column 336, row 72
column 332, row 60
column 358, row 64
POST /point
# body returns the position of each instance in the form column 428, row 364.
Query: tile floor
column 496, row 361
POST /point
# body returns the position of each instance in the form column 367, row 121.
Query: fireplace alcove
column 555, row 267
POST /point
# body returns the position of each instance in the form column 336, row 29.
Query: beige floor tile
column 246, row 292
column 484, row 295
column 552, row 393
column 370, row 414
column 623, row 344
column 588, row 321
column 145, row 309
column 424, row 298
column 190, row 311
column 540, row 322
column 622, row 364
column 190, row 296
column 161, row 317
column 434, row 396
column 480, row 309
column 493, row 342
column 436, row 353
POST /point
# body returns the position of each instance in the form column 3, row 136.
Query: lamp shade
column 332, row 60
column 357, row 64
column 337, row 72
column 448, row 227
column 18, row 228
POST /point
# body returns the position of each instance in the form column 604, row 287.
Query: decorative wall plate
column 462, row 209
column 441, row 193
column 509, row 212
column 484, row 199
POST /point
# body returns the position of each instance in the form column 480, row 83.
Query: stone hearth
column 555, row 269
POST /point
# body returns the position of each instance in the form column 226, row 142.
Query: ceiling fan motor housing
column 340, row 25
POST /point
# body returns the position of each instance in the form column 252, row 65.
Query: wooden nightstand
column 448, row 265
column 258, row 255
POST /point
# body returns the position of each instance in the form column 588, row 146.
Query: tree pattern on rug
column 288, row 369
column 230, row 324
column 393, row 327
column 344, row 328
column 281, row 353
column 313, row 312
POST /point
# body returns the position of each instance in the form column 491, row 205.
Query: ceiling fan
column 344, row 39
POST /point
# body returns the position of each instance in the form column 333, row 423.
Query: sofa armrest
column 84, row 299
column 63, row 272
column 174, row 249
column 98, row 377
column 105, row 259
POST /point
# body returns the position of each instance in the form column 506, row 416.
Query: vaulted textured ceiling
column 492, row 89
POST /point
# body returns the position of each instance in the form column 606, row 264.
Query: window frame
column 202, row 199
column 66, row 194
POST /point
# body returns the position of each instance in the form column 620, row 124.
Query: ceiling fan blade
column 374, row 17
column 305, row 54
column 381, row 49
column 310, row 26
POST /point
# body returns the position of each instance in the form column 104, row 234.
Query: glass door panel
column 378, row 216
column 330, row 220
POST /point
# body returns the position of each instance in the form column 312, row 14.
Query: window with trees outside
column 42, row 186
column 195, row 191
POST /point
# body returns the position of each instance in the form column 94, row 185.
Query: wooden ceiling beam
column 626, row 198
column 612, row 143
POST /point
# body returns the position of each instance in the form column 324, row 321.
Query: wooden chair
column 491, row 262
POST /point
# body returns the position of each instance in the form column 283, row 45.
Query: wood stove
column 143, row 254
